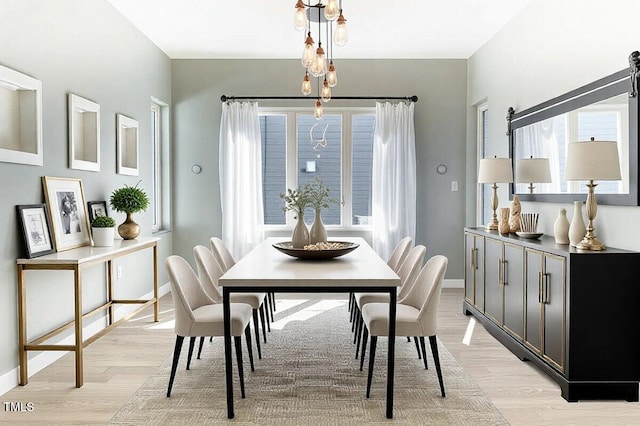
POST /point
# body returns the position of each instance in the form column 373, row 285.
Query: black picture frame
column 96, row 208
column 35, row 225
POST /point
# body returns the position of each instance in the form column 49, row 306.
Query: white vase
column 577, row 229
column 300, row 236
column 318, row 233
column 103, row 237
column 561, row 228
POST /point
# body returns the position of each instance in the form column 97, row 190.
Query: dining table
column 266, row 269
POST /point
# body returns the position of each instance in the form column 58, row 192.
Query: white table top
column 266, row 266
column 88, row 253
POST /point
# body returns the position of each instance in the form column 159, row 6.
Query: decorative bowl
column 530, row 235
column 286, row 247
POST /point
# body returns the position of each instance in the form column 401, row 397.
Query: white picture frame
column 68, row 212
column 84, row 133
column 127, row 141
column 20, row 118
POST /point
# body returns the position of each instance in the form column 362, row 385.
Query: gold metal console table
column 75, row 260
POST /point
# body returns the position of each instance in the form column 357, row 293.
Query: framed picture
column 34, row 221
column 96, row 208
column 66, row 204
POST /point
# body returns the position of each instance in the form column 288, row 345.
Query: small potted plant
column 296, row 200
column 102, row 230
column 318, row 195
column 129, row 200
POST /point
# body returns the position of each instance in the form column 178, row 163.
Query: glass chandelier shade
column 326, row 91
column 332, row 76
column 340, row 37
column 300, row 17
column 308, row 54
column 306, row 85
column 317, row 111
column 319, row 67
column 331, row 10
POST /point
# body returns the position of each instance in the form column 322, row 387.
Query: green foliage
column 129, row 199
column 318, row 194
column 295, row 200
column 103, row 222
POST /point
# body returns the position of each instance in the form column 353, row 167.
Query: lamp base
column 589, row 242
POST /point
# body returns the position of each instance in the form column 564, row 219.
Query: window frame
column 291, row 152
column 157, row 141
column 481, row 109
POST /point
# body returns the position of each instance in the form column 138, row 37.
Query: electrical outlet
column 454, row 186
column 119, row 272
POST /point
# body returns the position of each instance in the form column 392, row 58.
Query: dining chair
column 407, row 272
column 398, row 255
column 225, row 259
column 209, row 271
column 416, row 315
column 196, row 314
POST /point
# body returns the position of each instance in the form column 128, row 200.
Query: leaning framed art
column 34, row 222
column 96, row 208
column 67, row 209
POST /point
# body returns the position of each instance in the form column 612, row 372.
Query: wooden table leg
column 77, row 279
column 391, row 351
column 110, row 290
column 227, row 350
column 22, row 327
column 156, row 306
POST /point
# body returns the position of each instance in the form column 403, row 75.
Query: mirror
column 604, row 110
column 127, row 140
column 84, row 134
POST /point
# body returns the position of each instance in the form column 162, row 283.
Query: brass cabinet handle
column 504, row 272
column 500, row 278
column 473, row 262
column 546, row 288
column 540, row 287
column 475, row 257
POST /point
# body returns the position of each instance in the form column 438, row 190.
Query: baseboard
column 453, row 283
column 10, row 379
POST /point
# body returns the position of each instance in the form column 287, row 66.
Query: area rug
column 308, row 376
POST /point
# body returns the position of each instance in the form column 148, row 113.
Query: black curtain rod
column 414, row 98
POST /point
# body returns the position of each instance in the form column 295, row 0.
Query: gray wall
column 440, row 118
column 87, row 48
column 551, row 48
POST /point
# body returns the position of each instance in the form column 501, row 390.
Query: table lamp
column 533, row 170
column 592, row 160
column 495, row 170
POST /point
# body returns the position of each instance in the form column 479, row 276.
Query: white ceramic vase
column 300, row 236
column 318, row 233
column 103, row 237
column 561, row 228
column 577, row 229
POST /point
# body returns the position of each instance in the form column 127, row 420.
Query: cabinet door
column 533, row 307
column 513, row 284
column 493, row 280
column 554, row 309
column 469, row 267
column 479, row 278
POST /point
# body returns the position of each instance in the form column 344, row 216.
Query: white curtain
column 241, row 177
column 393, row 195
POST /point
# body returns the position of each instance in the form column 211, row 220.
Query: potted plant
column 318, row 195
column 297, row 200
column 102, row 230
column 129, row 200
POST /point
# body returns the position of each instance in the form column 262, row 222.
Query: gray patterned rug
column 308, row 376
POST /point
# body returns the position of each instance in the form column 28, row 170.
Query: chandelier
column 314, row 59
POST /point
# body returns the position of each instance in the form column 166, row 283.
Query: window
column 296, row 148
column 485, row 212
column 156, row 139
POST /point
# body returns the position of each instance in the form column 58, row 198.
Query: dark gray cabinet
column 573, row 313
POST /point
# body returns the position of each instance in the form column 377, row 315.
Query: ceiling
column 264, row 29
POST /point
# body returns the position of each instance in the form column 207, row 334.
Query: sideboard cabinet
column 574, row 313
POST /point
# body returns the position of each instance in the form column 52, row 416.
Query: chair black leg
column 364, row 346
column 271, row 309
column 257, row 330
column 247, row 336
column 424, row 352
column 350, row 301
column 211, row 338
column 354, row 306
column 200, row 346
column 272, row 295
column 415, row 339
column 264, row 328
column 355, row 314
column 360, row 326
column 238, row 342
column 192, row 341
column 436, row 359
column 408, row 339
column 357, row 326
column 266, row 313
column 174, row 365
column 372, row 357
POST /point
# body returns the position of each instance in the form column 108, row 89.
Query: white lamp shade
column 530, row 170
column 593, row 160
column 494, row 170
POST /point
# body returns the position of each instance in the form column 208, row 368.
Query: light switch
column 454, row 186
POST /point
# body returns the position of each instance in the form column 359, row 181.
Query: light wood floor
column 119, row 363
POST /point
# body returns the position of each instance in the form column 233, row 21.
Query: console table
column 76, row 260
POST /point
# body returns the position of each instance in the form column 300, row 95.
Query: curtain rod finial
column 413, row 98
column 224, row 98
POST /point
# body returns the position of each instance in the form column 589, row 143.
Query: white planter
column 103, row 237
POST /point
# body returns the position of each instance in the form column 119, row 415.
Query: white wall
column 551, row 48
column 84, row 47
column 439, row 125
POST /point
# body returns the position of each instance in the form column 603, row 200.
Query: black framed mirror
column 606, row 109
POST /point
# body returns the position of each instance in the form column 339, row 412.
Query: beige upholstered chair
column 407, row 272
column 196, row 314
column 209, row 271
column 416, row 315
column 225, row 260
